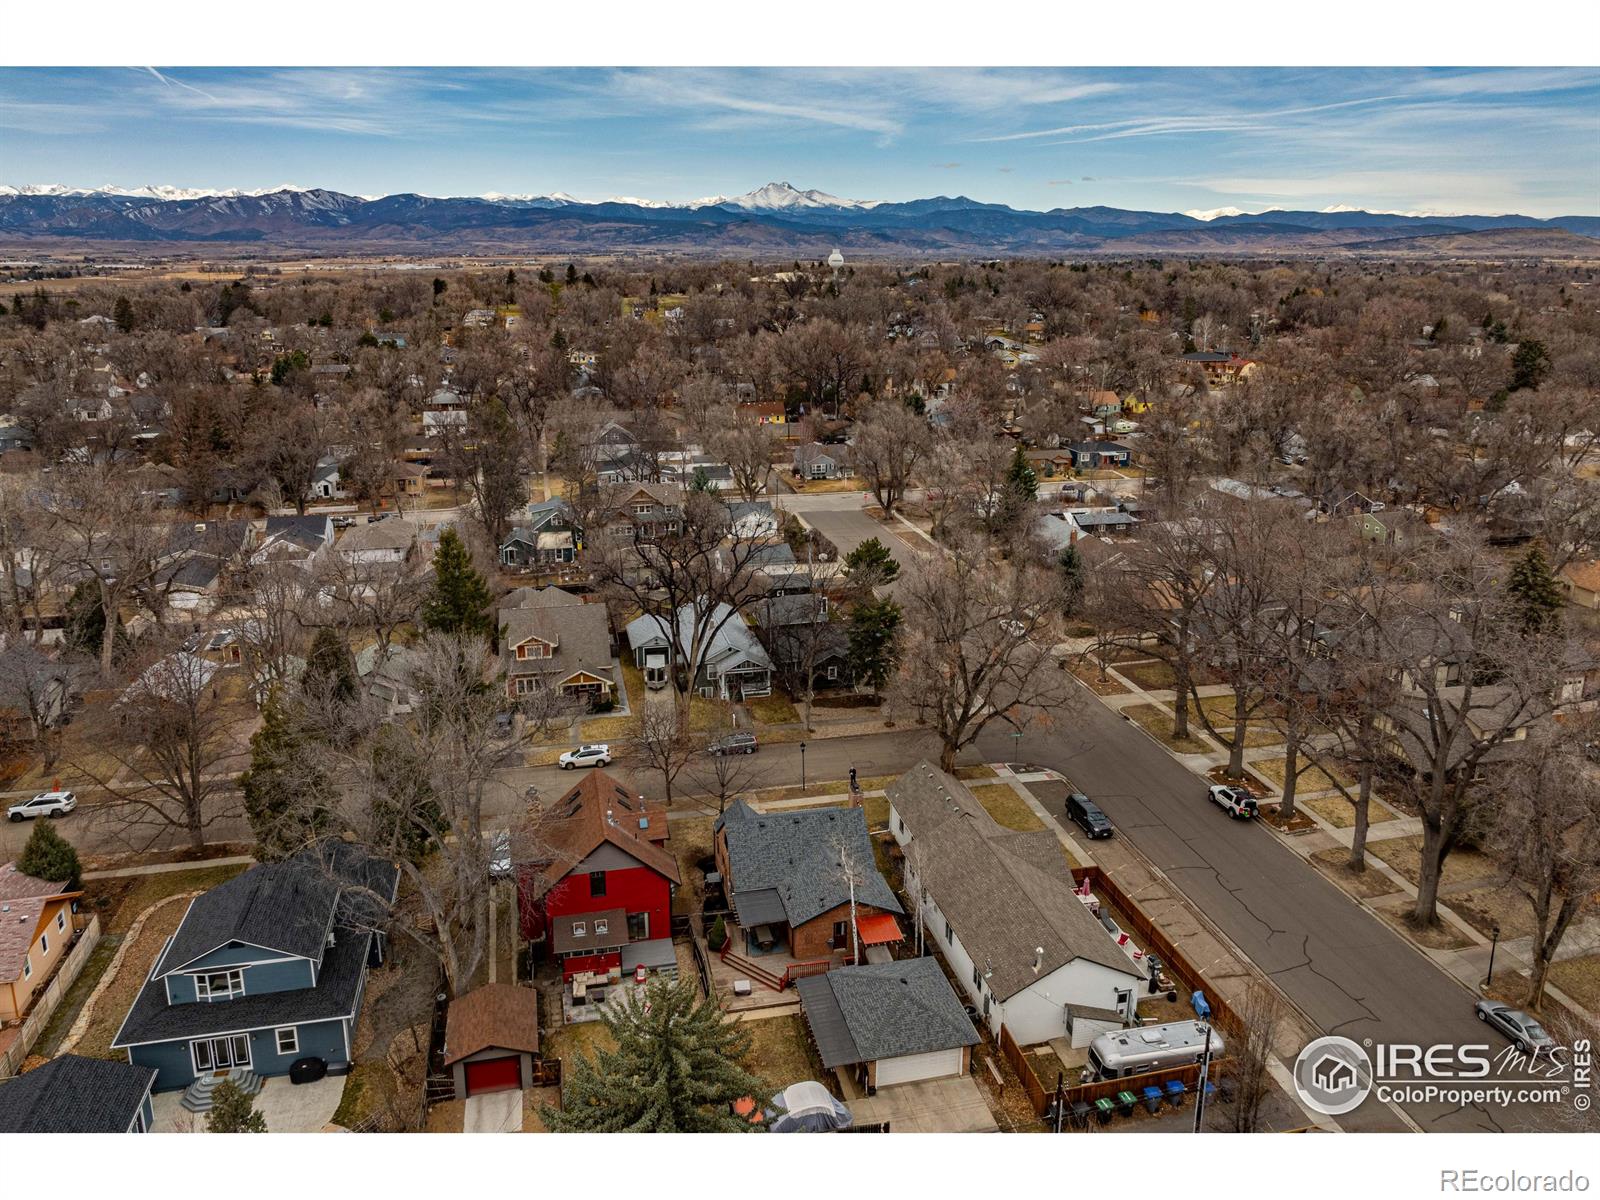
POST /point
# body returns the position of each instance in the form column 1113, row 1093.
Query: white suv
column 597, row 754
column 45, row 804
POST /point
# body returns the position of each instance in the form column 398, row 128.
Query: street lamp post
column 1494, row 944
column 802, row 764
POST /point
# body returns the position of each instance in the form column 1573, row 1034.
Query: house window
column 61, row 920
column 949, row 932
column 638, row 927
column 597, row 883
column 641, row 510
column 27, row 969
column 601, row 928
column 977, row 977
column 986, row 1005
column 833, row 671
column 288, row 1040
column 223, row 985
column 580, row 929
column 44, row 944
column 1124, row 998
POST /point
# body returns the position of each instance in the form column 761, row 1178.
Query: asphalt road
column 1342, row 967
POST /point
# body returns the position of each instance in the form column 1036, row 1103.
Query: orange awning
column 878, row 928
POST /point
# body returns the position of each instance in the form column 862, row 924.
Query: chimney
column 1038, row 958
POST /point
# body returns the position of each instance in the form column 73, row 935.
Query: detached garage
column 889, row 1023
column 491, row 1039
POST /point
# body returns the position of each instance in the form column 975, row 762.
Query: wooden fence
column 1038, row 1094
column 49, row 999
column 547, row 1072
column 1176, row 962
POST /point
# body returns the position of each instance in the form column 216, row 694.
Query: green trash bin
column 1125, row 1102
column 1104, row 1110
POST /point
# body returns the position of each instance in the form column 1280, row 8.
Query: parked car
column 1526, row 1034
column 45, row 804
column 735, row 743
column 500, row 855
column 1085, row 813
column 595, row 754
column 1235, row 801
column 343, row 522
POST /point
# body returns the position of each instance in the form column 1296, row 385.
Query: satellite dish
column 836, row 260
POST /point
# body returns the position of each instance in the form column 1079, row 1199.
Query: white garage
column 888, row 1023
column 909, row 1068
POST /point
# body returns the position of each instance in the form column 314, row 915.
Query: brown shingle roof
column 498, row 1016
column 580, row 825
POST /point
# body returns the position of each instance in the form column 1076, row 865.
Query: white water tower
column 836, row 260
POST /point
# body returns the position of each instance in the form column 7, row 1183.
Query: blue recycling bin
column 1152, row 1099
column 1175, row 1090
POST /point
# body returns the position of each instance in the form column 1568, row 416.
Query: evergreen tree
column 50, row 857
column 330, row 669
column 122, row 313
column 701, row 482
column 85, row 619
column 874, row 642
column 1070, row 563
column 572, row 274
column 870, row 565
column 284, row 783
column 233, row 1110
column 1535, row 593
column 678, row 1067
column 1022, row 481
column 460, row 597
column 1529, row 365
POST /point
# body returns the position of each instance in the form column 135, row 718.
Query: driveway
column 951, row 1105
column 494, row 1112
column 288, row 1107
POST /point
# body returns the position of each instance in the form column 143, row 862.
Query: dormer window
column 580, row 929
column 220, row 985
column 601, row 928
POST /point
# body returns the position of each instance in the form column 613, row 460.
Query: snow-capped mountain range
column 777, row 217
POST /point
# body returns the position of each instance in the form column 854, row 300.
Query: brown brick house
column 789, row 875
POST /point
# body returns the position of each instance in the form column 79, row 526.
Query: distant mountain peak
column 773, row 197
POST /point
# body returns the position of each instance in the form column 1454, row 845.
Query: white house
column 1000, row 907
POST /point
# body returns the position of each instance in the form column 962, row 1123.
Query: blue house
column 548, row 536
column 1087, row 456
column 72, row 1094
column 264, row 970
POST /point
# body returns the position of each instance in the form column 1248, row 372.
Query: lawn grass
column 1579, row 978
column 1363, row 885
column 77, row 995
column 1158, row 724
column 1151, row 675
column 1404, row 855
column 690, row 842
column 609, row 729
column 1339, row 812
column 780, row 1053
column 1006, row 807
column 812, row 487
column 366, row 1090
column 1442, row 936
column 776, row 709
column 1312, row 778
column 109, row 1010
column 569, row 1042
column 978, row 771
column 1257, row 732
column 120, row 899
column 1484, row 908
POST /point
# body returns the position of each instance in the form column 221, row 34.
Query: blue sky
column 1425, row 140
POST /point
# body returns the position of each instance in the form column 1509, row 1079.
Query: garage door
column 912, row 1067
column 493, row 1075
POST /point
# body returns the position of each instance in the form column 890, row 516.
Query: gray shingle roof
column 580, row 633
column 72, row 1094
column 884, row 1010
column 152, row 1019
column 285, row 906
column 1006, row 894
column 795, row 854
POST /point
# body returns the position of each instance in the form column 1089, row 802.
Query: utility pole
column 1202, row 1010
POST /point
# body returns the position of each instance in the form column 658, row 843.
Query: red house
column 604, row 900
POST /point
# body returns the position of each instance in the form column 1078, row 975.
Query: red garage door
column 493, row 1075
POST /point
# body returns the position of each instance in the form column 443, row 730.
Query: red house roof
column 597, row 811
